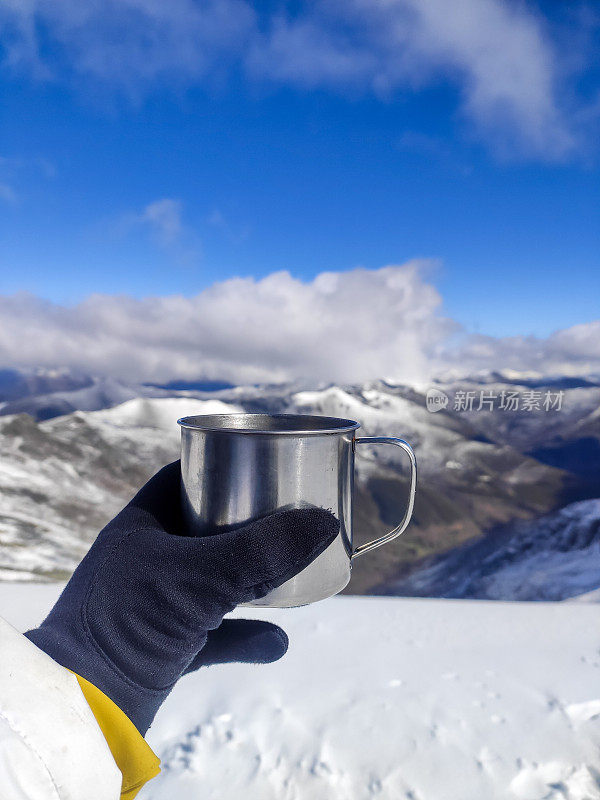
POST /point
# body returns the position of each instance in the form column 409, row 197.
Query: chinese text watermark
column 526, row 400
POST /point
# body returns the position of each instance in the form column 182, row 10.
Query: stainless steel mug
column 239, row 467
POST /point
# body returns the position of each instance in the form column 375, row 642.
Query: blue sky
column 158, row 151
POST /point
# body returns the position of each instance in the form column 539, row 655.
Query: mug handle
column 365, row 548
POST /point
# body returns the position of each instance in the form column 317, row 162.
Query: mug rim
column 280, row 424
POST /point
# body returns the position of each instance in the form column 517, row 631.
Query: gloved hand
column 147, row 602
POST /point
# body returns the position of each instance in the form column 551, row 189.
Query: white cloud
column 341, row 326
column 162, row 220
column 571, row 351
column 163, row 217
column 131, row 43
column 510, row 74
column 496, row 52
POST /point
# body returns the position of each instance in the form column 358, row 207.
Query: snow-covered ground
column 387, row 698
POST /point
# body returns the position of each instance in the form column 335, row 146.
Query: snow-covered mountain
column 385, row 698
column 552, row 558
column 83, row 393
column 62, row 478
column 16, row 384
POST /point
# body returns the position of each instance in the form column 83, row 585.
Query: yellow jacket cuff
column 133, row 755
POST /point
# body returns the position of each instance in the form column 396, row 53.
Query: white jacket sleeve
column 51, row 747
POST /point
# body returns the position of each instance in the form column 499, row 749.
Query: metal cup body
column 266, row 463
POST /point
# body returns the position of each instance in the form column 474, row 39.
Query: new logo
column 436, row 400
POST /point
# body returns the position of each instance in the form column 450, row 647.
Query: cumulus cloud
column 340, row 327
column 510, row 74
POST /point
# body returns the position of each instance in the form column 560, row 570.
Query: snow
column 546, row 574
column 588, row 597
column 160, row 413
column 384, row 414
column 552, row 558
column 62, row 479
column 387, row 698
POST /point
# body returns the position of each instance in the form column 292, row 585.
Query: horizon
column 506, row 376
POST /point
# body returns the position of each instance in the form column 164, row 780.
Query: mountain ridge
column 478, row 471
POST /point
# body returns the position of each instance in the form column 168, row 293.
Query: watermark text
column 527, row 400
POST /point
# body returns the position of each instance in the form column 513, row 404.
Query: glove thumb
column 246, row 641
column 263, row 554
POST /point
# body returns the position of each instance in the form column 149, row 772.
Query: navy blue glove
column 147, row 602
